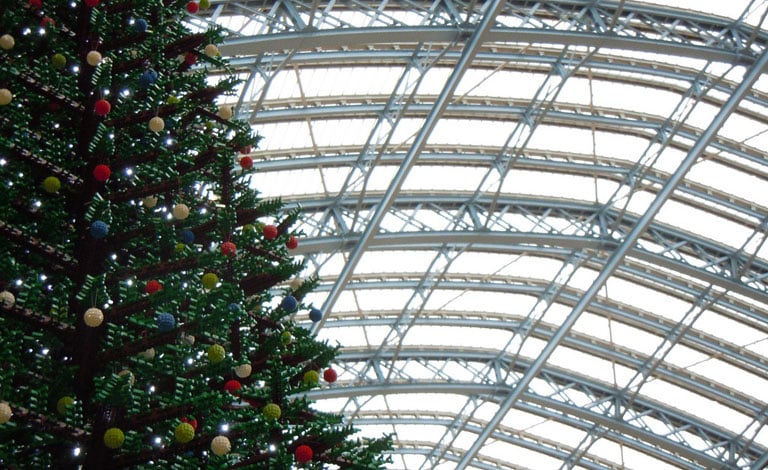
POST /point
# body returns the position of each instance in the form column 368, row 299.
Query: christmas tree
column 148, row 313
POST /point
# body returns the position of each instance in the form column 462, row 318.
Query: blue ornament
column 233, row 307
column 165, row 322
column 147, row 78
column 99, row 229
column 187, row 236
column 289, row 303
column 140, row 25
column 315, row 314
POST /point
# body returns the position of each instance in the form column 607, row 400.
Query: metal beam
column 621, row 251
column 471, row 48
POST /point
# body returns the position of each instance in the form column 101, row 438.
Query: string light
column 76, row 451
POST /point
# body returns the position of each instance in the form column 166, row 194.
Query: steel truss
column 558, row 42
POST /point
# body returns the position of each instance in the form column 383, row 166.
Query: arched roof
column 539, row 226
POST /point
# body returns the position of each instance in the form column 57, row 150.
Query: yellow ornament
column 93, row 58
column 286, row 337
column 156, row 124
column 7, row 299
column 216, row 353
column 211, row 50
column 184, row 433
column 129, row 374
column 225, row 111
column 243, row 370
column 7, row 42
column 271, row 411
column 180, row 211
column 5, row 412
column 296, row 282
column 64, row 403
column 148, row 354
column 173, row 100
column 149, row 202
column 311, row 377
column 210, row 280
column 114, row 438
column 220, row 445
column 93, row 317
column 180, row 247
column 5, row 96
column 51, row 184
column 58, row 61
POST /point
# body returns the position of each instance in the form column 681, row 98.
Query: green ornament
column 64, row 403
column 271, row 411
column 180, row 247
column 51, row 184
column 184, row 433
column 204, row 4
column 114, row 438
column 58, row 61
column 286, row 337
column 210, row 280
column 311, row 377
column 173, row 100
column 216, row 353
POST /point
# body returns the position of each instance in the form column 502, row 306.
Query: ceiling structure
column 539, row 226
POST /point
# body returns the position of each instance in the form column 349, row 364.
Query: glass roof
column 539, row 227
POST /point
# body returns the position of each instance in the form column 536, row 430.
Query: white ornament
column 188, row 339
column 225, row 111
column 148, row 354
column 7, row 299
column 180, row 211
column 7, row 41
column 156, row 124
column 296, row 283
column 6, row 413
column 243, row 370
column 131, row 377
column 93, row 58
column 211, row 50
column 93, row 317
column 220, row 445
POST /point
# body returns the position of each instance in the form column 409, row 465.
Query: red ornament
column 47, row 21
column 101, row 173
column 53, row 106
column 190, row 58
column 292, row 243
column 91, row 3
column 36, row 3
column 246, row 163
column 329, row 375
column 191, row 421
column 246, row 150
column 192, row 7
column 269, row 232
column 102, row 108
column 232, row 386
column 303, row 453
column 152, row 287
column 228, row 249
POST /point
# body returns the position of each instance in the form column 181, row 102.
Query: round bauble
column 173, row 100
column 165, row 322
column 330, row 375
column 205, row 3
column 220, row 445
column 51, row 184
column 36, row 3
column 48, row 21
column 63, row 404
column 184, row 433
column 102, row 107
column 271, row 411
column 93, row 58
column 232, row 386
column 243, row 370
column 140, row 25
column 93, row 317
column 315, row 314
column 114, row 438
column 5, row 96
column 190, row 58
column 210, row 280
column 192, row 7
column 246, row 163
column 292, row 243
column 311, row 377
column 148, row 354
column 149, row 202
column 7, row 299
column 147, row 78
column 286, row 337
column 189, row 340
column 128, row 375
column 296, row 282
column 228, row 249
column 180, row 211
column 289, row 303
column 58, row 61
column 225, row 111
column 211, row 50
column 153, row 286
column 7, row 42
column 187, row 236
column 102, row 172
column 99, row 229
column 303, row 453
column 156, row 124
column 5, row 412
column 269, row 232
column 191, row 421
column 91, row 3
column 216, row 353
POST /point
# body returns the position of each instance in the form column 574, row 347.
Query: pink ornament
column 101, row 173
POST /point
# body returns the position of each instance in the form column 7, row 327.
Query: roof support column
column 621, row 251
